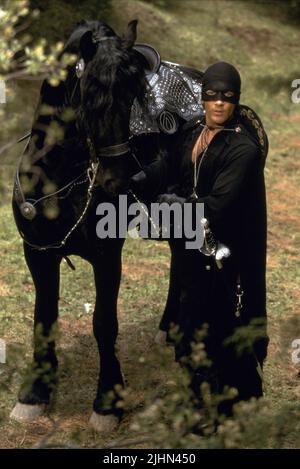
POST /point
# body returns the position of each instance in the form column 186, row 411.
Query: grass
column 195, row 33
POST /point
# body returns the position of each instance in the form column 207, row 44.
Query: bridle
column 28, row 206
column 111, row 151
column 116, row 150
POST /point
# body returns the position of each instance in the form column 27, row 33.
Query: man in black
column 219, row 163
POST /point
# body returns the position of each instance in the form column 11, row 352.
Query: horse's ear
column 130, row 37
column 87, row 46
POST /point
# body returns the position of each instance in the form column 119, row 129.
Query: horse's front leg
column 36, row 390
column 107, row 272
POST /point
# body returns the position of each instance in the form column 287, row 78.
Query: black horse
column 62, row 179
column 58, row 186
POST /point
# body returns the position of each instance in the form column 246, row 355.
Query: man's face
column 218, row 111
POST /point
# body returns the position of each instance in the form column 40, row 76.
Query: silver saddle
column 173, row 92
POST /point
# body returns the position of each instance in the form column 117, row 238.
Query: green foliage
column 23, row 58
column 172, row 418
column 20, row 58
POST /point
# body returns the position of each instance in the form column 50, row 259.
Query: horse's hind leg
column 36, row 390
column 107, row 271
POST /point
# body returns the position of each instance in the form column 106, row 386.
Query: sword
column 211, row 247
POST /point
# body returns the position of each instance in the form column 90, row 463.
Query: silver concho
column 28, row 210
column 168, row 122
column 79, row 68
column 171, row 94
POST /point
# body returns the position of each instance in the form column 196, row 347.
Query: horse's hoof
column 103, row 423
column 26, row 412
column 161, row 338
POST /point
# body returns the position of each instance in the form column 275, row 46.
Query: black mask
column 223, row 79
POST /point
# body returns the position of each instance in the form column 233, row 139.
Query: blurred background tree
column 58, row 17
column 32, row 35
column 286, row 11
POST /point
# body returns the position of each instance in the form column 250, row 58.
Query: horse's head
column 112, row 76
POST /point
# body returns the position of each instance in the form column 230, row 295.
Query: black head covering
column 221, row 77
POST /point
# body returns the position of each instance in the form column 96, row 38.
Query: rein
column 91, row 175
column 27, row 207
column 115, row 150
column 110, row 151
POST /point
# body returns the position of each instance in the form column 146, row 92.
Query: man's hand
column 170, row 199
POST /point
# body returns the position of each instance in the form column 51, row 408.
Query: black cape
column 231, row 186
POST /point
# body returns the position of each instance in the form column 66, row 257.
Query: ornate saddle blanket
column 173, row 91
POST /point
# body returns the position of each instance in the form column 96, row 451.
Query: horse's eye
column 211, row 92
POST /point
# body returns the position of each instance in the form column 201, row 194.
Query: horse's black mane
column 113, row 76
